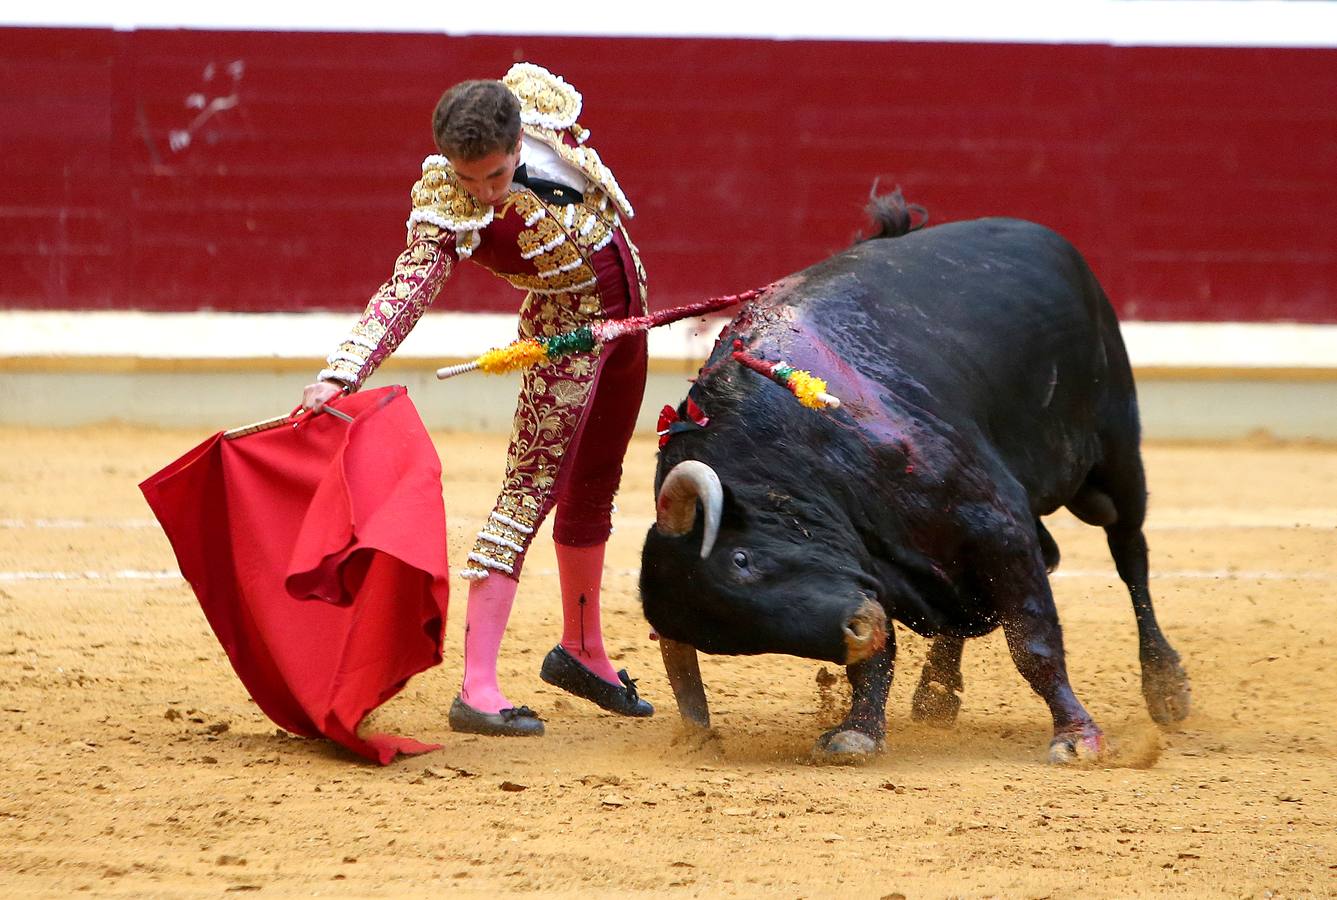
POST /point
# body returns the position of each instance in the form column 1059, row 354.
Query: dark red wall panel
column 1197, row 181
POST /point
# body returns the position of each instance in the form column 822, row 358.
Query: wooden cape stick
column 266, row 424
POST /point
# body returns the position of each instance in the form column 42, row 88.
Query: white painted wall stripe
column 279, row 336
column 454, row 335
column 1256, row 23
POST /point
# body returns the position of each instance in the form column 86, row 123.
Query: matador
column 517, row 189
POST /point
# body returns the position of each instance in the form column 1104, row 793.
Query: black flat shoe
column 519, row 721
column 565, row 671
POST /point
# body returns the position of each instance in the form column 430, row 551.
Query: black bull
column 984, row 385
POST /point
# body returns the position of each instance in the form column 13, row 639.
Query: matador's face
column 488, row 178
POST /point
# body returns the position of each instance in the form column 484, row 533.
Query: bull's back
column 995, row 328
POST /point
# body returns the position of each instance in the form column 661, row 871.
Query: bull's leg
column 1119, row 486
column 1035, row 639
column 864, row 730
column 937, row 699
column 1165, row 686
column 684, row 675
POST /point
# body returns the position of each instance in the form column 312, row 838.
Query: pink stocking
column 580, row 570
column 490, row 602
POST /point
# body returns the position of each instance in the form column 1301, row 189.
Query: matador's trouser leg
column 572, row 424
column 593, row 467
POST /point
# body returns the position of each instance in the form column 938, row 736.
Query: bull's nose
column 865, row 632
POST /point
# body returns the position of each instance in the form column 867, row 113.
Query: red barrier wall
column 1199, row 182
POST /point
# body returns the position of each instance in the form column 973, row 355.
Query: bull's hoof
column 845, row 748
column 692, row 739
column 935, row 704
column 1166, row 689
column 1077, row 745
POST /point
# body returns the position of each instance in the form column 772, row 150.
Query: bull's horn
column 684, row 675
column 689, row 481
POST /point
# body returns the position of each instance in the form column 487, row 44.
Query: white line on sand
column 117, row 575
column 1164, row 575
column 78, row 523
column 1197, row 519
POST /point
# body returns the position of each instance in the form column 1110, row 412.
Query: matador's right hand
column 315, row 396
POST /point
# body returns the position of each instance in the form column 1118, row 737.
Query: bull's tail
column 891, row 215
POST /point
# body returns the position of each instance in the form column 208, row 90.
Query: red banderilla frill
column 808, row 388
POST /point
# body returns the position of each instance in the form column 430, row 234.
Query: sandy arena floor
column 134, row 764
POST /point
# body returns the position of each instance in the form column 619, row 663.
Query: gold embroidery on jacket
column 546, row 99
column 440, row 194
column 557, row 244
column 419, row 273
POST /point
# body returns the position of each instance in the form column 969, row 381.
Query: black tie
column 548, row 191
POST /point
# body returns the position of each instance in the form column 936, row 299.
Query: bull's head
column 718, row 576
column 728, row 579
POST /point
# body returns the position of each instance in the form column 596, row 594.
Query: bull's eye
column 740, row 560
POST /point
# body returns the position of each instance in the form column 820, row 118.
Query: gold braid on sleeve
column 420, row 271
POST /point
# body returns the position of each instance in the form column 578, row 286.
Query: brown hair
column 476, row 118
